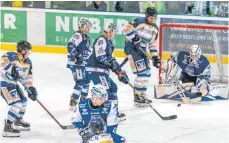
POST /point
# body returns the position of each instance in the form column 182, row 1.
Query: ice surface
column 201, row 123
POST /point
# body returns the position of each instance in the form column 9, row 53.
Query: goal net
column 213, row 40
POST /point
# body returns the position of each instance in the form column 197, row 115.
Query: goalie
column 193, row 70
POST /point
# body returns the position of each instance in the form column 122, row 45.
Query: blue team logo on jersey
column 105, row 110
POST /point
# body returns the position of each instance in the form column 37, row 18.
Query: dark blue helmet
column 151, row 11
column 23, row 45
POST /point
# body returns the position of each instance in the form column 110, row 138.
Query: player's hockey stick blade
column 172, row 117
column 67, row 127
column 62, row 127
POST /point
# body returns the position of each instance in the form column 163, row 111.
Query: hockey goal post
column 213, row 40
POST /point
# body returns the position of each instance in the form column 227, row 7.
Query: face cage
column 193, row 56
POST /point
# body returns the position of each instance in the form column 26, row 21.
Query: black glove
column 85, row 135
column 136, row 40
column 15, row 74
column 156, row 61
column 79, row 59
column 122, row 76
column 32, row 93
column 114, row 65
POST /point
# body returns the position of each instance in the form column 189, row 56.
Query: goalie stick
column 178, row 85
column 62, row 126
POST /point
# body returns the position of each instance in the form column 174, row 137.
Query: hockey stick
column 172, row 117
column 139, row 94
column 62, row 127
column 124, row 62
column 178, row 85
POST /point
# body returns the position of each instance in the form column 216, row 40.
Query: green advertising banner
column 13, row 26
column 60, row 26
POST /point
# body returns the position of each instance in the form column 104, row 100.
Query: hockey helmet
column 151, row 11
column 195, row 52
column 23, row 45
column 85, row 22
column 97, row 125
column 109, row 27
column 100, row 92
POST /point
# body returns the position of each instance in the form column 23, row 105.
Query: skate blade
column 140, row 104
column 73, row 108
column 23, row 128
column 121, row 119
column 9, row 134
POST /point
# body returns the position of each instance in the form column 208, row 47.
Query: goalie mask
column 195, row 52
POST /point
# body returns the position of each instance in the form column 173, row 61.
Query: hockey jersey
column 78, row 45
column 200, row 68
column 103, row 49
column 148, row 33
column 24, row 67
column 108, row 112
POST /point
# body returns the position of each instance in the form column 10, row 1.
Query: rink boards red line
column 117, row 53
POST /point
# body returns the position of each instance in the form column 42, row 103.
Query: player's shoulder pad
column 180, row 53
column 139, row 20
column 77, row 35
column 155, row 25
column 27, row 60
column 107, row 104
column 204, row 59
column 12, row 56
column 83, row 103
column 101, row 41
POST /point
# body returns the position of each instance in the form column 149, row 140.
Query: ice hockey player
column 78, row 51
column 101, row 62
column 16, row 67
column 140, row 34
column 96, row 118
column 194, row 68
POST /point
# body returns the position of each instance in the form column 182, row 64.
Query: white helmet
column 195, row 52
column 99, row 91
column 85, row 22
column 109, row 27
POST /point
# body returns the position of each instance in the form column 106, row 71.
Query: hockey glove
column 15, row 74
column 122, row 77
column 85, row 135
column 136, row 40
column 78, row 59
column 114, row 65
column 156, row 61
column 32, row 93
